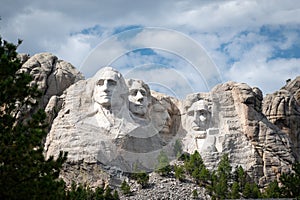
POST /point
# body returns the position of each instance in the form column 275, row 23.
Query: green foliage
column 195, row 194
column 201, row 176
column 222, row 178
column 195, row 167
column 141, row 178
column 272, row 191
column 178, row 148
column 125, row 188
column 291, row 183
column 251, row 191
column 24, row 172
column 116, row 195
column 163, row 167
column 234, row 194
column 193, row 162
column 179, row 172
column 224, row 167
column 240, row 176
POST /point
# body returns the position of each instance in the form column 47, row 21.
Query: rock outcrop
column 96, row 125
column 52, row 76
column 124, row 128
column 282, row 108
column 235, row 125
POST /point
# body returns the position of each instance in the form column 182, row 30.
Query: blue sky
column 256, row 42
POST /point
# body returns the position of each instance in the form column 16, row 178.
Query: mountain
column 112, row 127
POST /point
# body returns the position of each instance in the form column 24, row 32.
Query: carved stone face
column 139, row 96
column 198, row 117
column 105, row 86
column 161, row 119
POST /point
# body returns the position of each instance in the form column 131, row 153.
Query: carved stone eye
column 203, row 112
column 100, row 82
column 190, row 113
column 111, row 82
column 143, row 92
column 133, row 92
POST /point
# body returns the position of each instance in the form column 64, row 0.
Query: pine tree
column 141, row 178
column 272, row 191
column 163, row 167
column 220, row 179
column 252, row 191
column 125, row 188
column 24, row 172
column 179, row 172
column 240, row 176
column 178, row 148
column 115, row 195
column 291, row 182
column 194, row 162
column 234, row 193
column 195, row 194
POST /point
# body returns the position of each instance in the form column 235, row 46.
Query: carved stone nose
column 139, row 96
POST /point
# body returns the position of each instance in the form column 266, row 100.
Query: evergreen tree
column 234, row 193
column 115, row 195
column 272, row 191
column 223, row 174
column 195, row 194
column 178, row 148
column 291, row 182
column 240, row 176
column 194, row 162
column 251, row 191
column 194, row 166
column 220, row 179
column 163, row 167
column 224, row 167
column 107, row 194
column 125, row 188
column 141, row 178
column 24, row 172
column 179, row 172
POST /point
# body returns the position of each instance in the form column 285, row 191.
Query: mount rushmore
column 108, row 122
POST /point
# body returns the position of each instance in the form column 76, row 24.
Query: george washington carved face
column 108, row 88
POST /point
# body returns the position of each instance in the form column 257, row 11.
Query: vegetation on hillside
column 225, row 183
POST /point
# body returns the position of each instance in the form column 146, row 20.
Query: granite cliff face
column 282, row 108
column 110, row 125
column 52, row 76
column 238, row 127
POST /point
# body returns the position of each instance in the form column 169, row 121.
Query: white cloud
column 55, row 26
column 267, row 75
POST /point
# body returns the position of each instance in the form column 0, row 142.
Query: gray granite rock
column 282, row 108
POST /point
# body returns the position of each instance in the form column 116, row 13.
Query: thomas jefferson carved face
column 139, row 97
column 198, row 116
